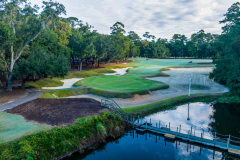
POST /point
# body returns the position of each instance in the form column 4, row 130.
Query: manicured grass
column 169, row 103
column 121, row 83
column 64, row 93
column 144, row 68
column 15, row 126
column 48, row 82
column 134, row 80
column 196, row 87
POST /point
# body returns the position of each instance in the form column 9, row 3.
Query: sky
column 162, row 18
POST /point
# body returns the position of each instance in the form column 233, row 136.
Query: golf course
column 134, row 80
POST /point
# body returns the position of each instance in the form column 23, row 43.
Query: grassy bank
column 64, row 93
column 170, row 103
column 47, row 82
column 64, row 140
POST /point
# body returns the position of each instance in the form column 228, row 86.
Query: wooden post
column 141, row 121
column 150, row 120
column 215, row 139
column 138, row 119
column 191, row 130
column 194, row 131
column 201, row 137
column 228, row 141
column 180, row 129
column 177, row 129
column 169, row 126
column 146, row 124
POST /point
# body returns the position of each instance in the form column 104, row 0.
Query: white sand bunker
column 120, row 71
column 68, row 83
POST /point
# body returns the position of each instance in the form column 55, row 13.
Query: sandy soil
column 17, row 93
column 57, row 111
column 68, row 83
column 179, row 78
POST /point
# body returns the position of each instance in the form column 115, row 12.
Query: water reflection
column 197, row 116
column 222, row 118
column 148, row 146
column 203, row 118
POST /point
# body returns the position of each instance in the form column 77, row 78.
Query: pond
column 208, row 118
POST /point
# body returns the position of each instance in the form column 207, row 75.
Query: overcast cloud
column 162, row 18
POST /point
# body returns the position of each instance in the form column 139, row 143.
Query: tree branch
column 19, row 54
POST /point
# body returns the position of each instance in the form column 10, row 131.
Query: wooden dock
column 223, row 144
column 235, row 150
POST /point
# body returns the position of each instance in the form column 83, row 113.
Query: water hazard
column 202, row 118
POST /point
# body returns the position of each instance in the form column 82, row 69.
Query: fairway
column 126, row 83
column 150, row 67
column 135, row 80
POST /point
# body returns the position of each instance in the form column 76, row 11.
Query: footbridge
column 227, row 143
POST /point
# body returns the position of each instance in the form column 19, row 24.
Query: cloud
column 162, row 18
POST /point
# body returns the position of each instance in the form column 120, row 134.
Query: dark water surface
column 203, row 118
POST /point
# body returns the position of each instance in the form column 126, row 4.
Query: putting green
column 126, row 83
column 134, row 80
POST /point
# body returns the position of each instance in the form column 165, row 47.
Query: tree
column 54, row 66
column 119, row 45
column 227, row 70
column 183, row 39
column 160, row 50
column 26, row 26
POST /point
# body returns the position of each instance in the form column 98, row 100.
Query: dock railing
column 191, row 134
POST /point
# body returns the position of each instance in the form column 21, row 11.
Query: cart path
column 33, row 94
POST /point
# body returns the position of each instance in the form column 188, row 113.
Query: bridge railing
column 113, row 106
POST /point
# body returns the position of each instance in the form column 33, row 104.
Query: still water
column 203, row 118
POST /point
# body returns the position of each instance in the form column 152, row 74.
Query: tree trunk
column 80, row 66
column 98, row 63
column 9, row 82
column 23, row 83
column 182, row 51
column 117, row 61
